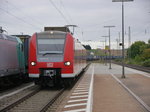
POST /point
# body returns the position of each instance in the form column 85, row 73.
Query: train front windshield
column 50, row 48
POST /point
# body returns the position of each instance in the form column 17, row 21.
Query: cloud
column 89, row 15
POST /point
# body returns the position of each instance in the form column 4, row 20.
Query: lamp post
column 117, row 51
column 119, row 44
column 123, row 57
column 109, row 44
column 105, row 48
column 105, row 39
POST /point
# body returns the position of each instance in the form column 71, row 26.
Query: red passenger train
column 55, row 57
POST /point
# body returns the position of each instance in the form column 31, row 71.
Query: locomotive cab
column 55, row 58
column 48, row 59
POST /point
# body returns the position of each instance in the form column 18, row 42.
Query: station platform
column 103, row 90
column 111, row 96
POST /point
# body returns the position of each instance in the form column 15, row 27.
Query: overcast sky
column 29, row 16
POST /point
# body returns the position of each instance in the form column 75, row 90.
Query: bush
column 118, row 60
column 146, row 63
column 132, row 61
column 136, row 49
column 146, row 54
column 138, row 59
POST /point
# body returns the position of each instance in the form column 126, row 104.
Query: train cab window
column 50, row 45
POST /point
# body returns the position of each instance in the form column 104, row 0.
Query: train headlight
column 51, row 32
column 67, row 63
column 33, row 63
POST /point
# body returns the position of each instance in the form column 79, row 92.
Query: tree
column 146, row 54
column 146, row 58
column 149, row 41
column 140, row 53
column 136, row 49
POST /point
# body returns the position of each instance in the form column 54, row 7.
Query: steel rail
column 10, row 106
column 20, row 100
column 52, row 100
column 45, row 108
column 141, row 68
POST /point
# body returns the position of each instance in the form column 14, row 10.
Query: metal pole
column 117, row 50
column 123, row 57
column 105, row 49
column 119, row 45
column 129, row 52
column 129, row 37
column 109, row 44
column 109, row 51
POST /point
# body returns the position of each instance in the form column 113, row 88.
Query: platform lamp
column 123, row 57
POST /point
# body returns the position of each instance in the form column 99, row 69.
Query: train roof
column 10, row 38
column 63, row 29
column 52, row 34
column 22, row 36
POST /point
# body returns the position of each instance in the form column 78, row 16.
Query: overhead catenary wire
column 142, row 32
column 63, row 6
column 21, row 12
column 62, row 14
column 20, row 19
column 71, row 20
column 66, row 20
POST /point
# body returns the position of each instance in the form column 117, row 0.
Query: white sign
column 122, row 0
column 50, row 65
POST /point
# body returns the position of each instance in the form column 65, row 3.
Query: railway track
column 14, row 90
column 36, row 101
column 144, row 69
column 9, row 106
column 51, row 101
column 39, row 100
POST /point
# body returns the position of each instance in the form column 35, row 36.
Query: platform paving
column 100, row 90
column 81, row 97
column 138, row 82
column 110, row 96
